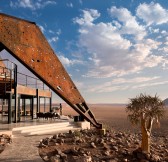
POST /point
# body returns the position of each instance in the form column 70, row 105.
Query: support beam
column 50, row 104
column 44, row 104
column 19, row 108
column 32, row 107
column 38, row 101
column 10, row 108
column 24, row 106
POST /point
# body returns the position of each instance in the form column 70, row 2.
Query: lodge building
column 21, row 95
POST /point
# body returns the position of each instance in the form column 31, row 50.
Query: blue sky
column 113, row 50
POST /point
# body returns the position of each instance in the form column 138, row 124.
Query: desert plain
column 114, row 116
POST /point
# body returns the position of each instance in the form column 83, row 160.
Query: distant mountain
column 166, row 101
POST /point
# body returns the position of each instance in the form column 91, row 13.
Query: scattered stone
column 107, row 152
column 90, row 146
column 93, row 145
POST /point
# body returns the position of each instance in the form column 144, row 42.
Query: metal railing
column 30, row 81
column 9, row 70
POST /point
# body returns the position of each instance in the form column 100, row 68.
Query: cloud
column 68, row 62
column 130, row 25
column 53, row 39
column 116, row 48
column 42, row 28
column 152, row 13
column 69, row 5
column 88, row 17
column 31, row 4
column 122, row 84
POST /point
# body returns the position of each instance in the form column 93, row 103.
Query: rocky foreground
column 91, row 146
column 4, row 141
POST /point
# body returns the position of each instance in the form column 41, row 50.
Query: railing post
column 26, row 80
column 36, row 83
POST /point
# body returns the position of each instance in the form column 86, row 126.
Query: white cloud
column 164, row 32
column 154, row 84
column 67, row 62
column 58, row 32
column 122, row 84
column 31, row 4
column 112, row 51
column 152, row 13
column 88, row 17
column 52, row 32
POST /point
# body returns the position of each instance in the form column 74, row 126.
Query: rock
column 2, row 139
column 105, row 146
column 45, row 158
column 68, row 151
column 140, row 155
column 155, row 158
column 82, row 159
column 119, row 135
column 107, row 152
column 2, row 147
column 144, row 160
column 63, row 156
column 70, row 132
column 93, row 145
column 42, row 144
column 74, row 152
column 58, row 151
column 55, row 159
column 55, row 136
column 81, row 151
column 115, row 148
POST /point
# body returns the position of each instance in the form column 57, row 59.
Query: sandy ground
column 115, row 117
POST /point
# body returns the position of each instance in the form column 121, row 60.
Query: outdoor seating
column 48, row 115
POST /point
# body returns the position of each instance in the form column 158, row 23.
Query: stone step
column 60, row 130
column 44, row 129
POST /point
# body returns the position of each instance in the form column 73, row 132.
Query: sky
column 112, row 49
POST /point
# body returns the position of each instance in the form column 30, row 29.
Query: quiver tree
column 143, row 110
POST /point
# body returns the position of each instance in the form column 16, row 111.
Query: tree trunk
column 145, row 145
